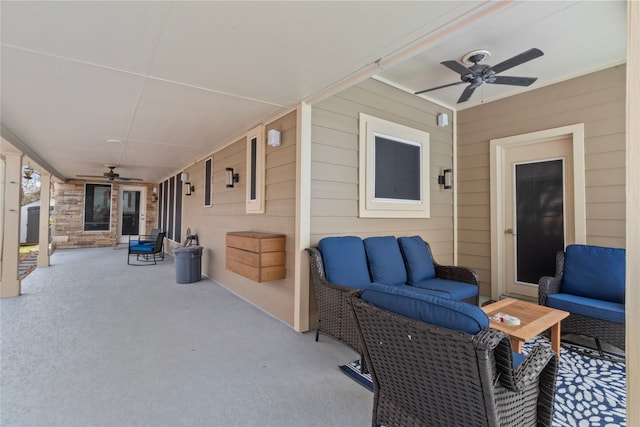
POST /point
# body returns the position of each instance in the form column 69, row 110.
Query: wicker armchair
column 599, row 329
column 425, row 375
column 335, row 317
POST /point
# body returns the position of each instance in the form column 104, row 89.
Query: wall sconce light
column 442, row 119
column 273, row 138
column 188, row 188
column 446, row 179
column 231, row 177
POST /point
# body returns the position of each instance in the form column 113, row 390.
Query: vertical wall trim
column 454, row 147
column 633, row 212
column 303, row 218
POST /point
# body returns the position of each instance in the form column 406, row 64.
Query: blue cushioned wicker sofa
column 345, row 264
column 590, row 284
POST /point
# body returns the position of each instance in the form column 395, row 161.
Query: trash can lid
column 187, row 249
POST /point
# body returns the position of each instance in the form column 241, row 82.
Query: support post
column 9, row 281
column 45, row 201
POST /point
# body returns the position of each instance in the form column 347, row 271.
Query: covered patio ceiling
column 151, row 87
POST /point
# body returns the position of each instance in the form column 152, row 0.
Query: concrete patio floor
column 93, row 341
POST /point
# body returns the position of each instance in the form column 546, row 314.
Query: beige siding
column 334, row 167
column 598, row 101
column 228, row 214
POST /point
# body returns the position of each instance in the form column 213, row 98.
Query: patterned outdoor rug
column 590, row 391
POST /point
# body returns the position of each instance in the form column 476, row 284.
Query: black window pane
column 397, row 170
column 539, row 218
column 97, row 207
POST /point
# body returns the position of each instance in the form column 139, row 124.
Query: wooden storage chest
column 257, row 256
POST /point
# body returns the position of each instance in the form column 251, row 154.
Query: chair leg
column 599, row 347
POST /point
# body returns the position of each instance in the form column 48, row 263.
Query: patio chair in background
column 149, row 252
column 151, row 239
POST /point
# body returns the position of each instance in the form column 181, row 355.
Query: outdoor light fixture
column 273, row 138
column 231, row 177
column 446, row 179
column 188, row 188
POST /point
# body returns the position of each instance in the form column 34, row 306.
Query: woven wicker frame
column 611, row 332
column 335, row 317
column 424, row 375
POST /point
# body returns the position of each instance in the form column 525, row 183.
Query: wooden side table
column 534, row 319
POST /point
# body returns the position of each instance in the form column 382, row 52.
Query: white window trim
column 369, row 206
column 256, row 205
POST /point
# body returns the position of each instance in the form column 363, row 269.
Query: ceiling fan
column 111, row 175
column 477, row 74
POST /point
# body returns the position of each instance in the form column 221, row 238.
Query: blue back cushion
column 345, row 262
column 594, row 272
column 385, row 260
column 417, row 259
column 446, row 313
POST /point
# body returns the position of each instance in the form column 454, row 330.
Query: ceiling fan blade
column 515, row 61
column 515, row 81
column 457, row 67
column 466, row 93
column 89, row 176
column 439, row 87
column 124, row 178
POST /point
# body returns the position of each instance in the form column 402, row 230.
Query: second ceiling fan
column 110, row 176
column 477, row 74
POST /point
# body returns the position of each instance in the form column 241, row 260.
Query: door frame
column 143, row 209
column 497, row 176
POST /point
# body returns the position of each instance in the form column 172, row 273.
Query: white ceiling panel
column 63, row 96
column 182, row 115
column 282, row 52
column 122, row 35
column 137, row 154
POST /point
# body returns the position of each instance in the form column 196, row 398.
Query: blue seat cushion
column 418, row 260
column 517, row 358
column 604, row 310
column 415, row 289
column 345, row 262
column 141, row 248
column 385, row 260
column 418, row 305
column 453, row 290
column 594, row 272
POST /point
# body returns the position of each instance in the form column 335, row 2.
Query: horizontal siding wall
column 227, row 213
column 334, row 166
column 598, row 101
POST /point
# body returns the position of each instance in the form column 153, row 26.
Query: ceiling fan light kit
column 477, row 74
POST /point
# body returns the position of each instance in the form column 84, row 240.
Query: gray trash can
column 188, row 260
